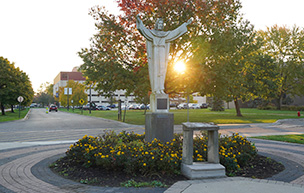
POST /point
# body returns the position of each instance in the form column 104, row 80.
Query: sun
column 180, row 67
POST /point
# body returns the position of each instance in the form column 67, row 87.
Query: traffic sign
column 81, row 101
column 20, row 99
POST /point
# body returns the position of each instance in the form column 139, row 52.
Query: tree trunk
column 12, row 108
column 237, row 107
column 217, row 104
column 279, row 102
column 2, row 109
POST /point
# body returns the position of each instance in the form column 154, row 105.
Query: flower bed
column 129, row 152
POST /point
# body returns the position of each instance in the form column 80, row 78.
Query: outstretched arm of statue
column 189, row 21
column 178, row 32
column 139, row 23
column 142, row 29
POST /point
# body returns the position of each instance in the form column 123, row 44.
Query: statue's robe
column 158, row 47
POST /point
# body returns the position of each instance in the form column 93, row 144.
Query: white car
column 182, row 106
column 195, row 106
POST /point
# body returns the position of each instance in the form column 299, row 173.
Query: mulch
column 260, row 167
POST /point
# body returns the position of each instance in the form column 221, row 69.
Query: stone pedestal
column 200, row 170
column 159, row 123
column 159, row 126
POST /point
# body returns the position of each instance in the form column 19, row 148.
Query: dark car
column 101, row 107
column 112, row 106
column 53, row 108
column 87, row 106
column 204, row 105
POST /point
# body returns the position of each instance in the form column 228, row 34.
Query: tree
column 13, row 83
column 221, row 49
column 261, row 77
column 78, row 92
column 286, row 48
column 45, row 94
column 117, row 56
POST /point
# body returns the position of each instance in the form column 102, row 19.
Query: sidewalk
column 234, row 185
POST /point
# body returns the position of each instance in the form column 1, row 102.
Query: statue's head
column 159, row 25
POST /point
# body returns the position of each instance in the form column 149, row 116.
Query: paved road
column 58, row 126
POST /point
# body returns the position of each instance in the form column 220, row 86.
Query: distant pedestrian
column 47, row 109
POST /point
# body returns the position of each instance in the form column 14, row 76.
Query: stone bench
column 200, row 170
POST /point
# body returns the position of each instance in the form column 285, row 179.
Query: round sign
column 20, row 99
column 81, row 101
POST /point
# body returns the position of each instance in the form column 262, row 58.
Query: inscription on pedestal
column 162, row 104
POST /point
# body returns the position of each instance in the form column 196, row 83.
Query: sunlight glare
column 180, row 67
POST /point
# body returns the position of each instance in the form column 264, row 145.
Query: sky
column 42, row 37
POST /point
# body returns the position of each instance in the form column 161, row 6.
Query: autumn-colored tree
column 78, row 92
column 286, row 47
column 117, row 56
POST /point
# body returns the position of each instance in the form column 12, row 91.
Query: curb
column 27, row 115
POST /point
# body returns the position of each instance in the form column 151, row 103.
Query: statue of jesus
column 158, row 47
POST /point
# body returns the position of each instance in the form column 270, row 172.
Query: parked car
column 204, row 105
column 53, row 108
column 195, row 106
column 143, row 107
column 134, row 107
column 33, row 105
column 101, row 107
column 173, row 105
column 87, row 106
column 182, row 106
column 112, row 106
column 123, row 107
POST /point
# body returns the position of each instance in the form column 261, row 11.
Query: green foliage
column 130, row 153
column 293, row 108
column 285, row 47
column 13, row 83
column 286, row 138
column 133, row 183
column 45, row 94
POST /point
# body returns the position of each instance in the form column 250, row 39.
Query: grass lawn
column 285, row 138
column 201, row 115
column 9, row 116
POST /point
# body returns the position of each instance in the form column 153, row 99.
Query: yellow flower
column 152, row 157
column 144, row 164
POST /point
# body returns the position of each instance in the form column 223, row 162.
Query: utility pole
column 90, row 99
column 68, row 92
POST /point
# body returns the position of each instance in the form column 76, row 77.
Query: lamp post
column 90, row 99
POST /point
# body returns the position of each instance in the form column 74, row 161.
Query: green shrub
column 292, row 108
column 130, row 153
